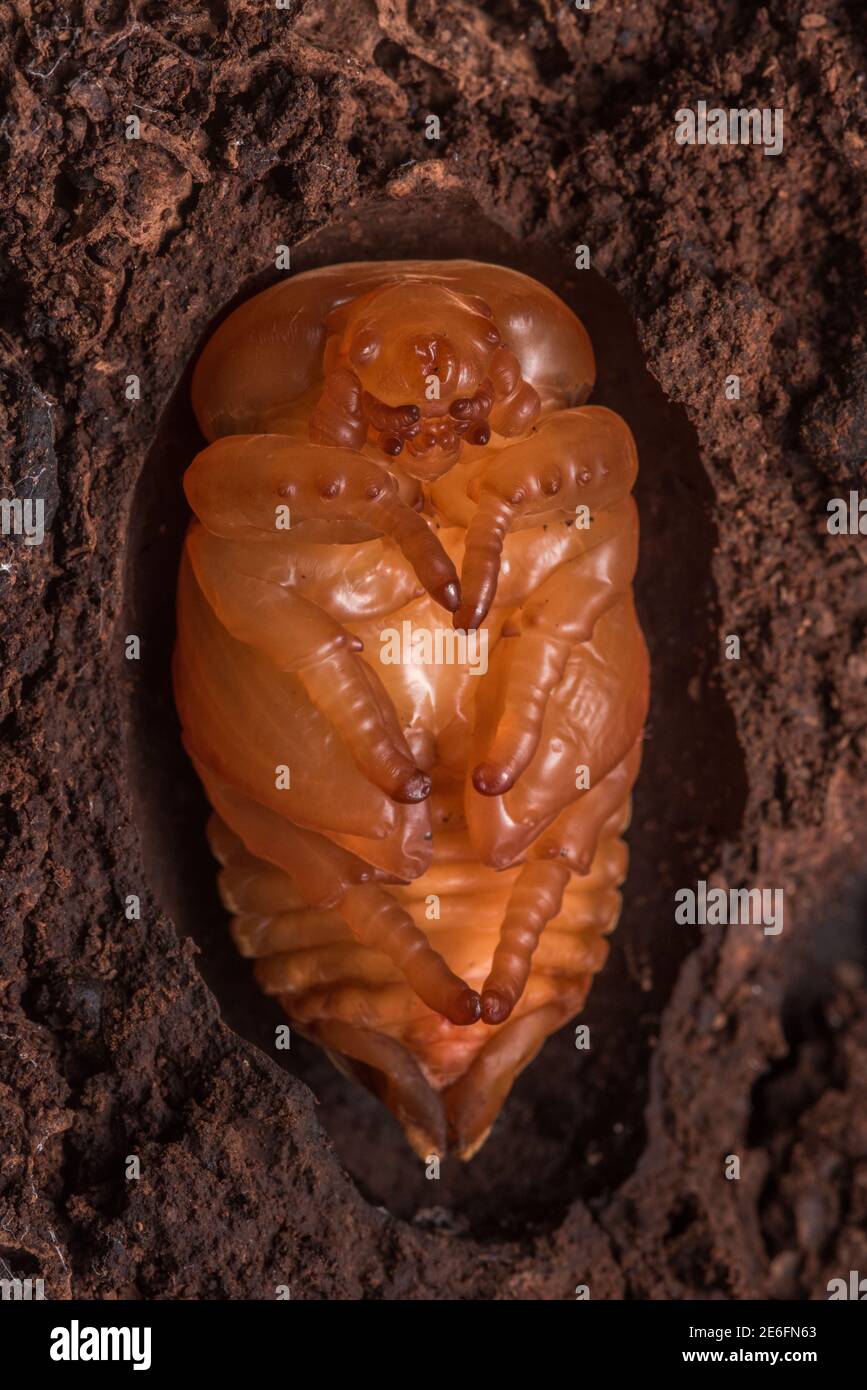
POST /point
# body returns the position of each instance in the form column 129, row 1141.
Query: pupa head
column 420, row 354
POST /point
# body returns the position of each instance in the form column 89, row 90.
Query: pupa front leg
column 241, row 486
column 577, row 457
column 297, row 635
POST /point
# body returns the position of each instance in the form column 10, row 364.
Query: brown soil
column 306, row 127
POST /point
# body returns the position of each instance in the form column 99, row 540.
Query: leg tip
column 468, row 1007
column 449, row 596
column 466, row 619
column 495, row 1006
column 414, row 788
column 490, row 780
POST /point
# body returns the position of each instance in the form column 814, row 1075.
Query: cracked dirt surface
column 262, row 127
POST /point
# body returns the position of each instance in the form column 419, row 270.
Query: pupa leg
column 376, row 919
column 574, row 836
column 592, row 719
column 297, row 635
column 318, row 978
column 328, row 876
column 563, row 611
column 257, row 727
column 585, row 456
column 535, row 899
column 393, row 1075
column 337, row 419
column 473, row 1103
column 516, row 404
column 246, row 486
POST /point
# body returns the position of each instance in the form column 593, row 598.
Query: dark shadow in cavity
column 573, row 1125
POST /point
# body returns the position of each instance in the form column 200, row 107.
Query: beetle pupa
column 422, row 852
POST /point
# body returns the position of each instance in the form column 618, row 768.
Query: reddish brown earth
column 305, row 127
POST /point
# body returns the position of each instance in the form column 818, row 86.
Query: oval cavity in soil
column 573, row 1125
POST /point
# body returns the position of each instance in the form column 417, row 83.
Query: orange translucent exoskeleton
column 409, row 670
